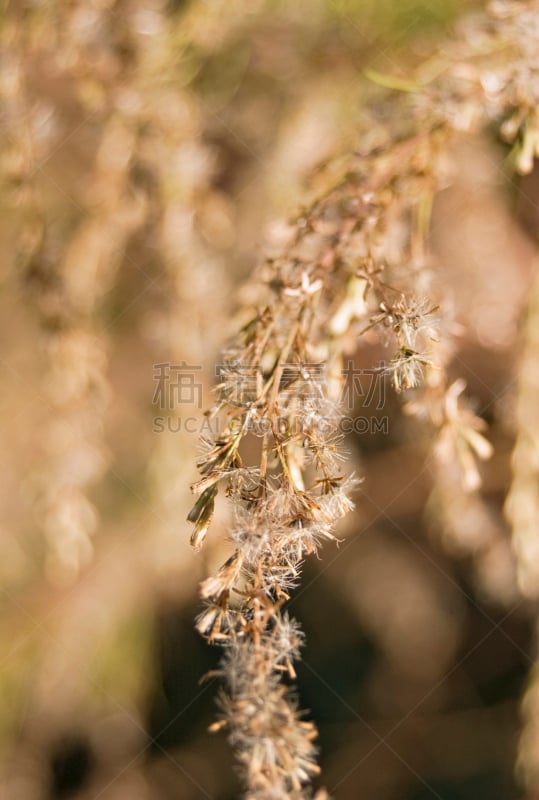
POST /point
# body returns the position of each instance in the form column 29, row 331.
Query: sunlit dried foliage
column 144, row 143
column 356, row 262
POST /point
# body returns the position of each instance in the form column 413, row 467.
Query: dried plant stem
column 275, row 384
column 356, row 263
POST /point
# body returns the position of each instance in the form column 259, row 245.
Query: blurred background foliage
column 147, row 151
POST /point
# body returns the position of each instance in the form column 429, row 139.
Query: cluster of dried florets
column 274, row 742
column 68, row 288
column 277, row 449
column 490, row 72
column 333, row 280
column 273, row 402
column 509, row 38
